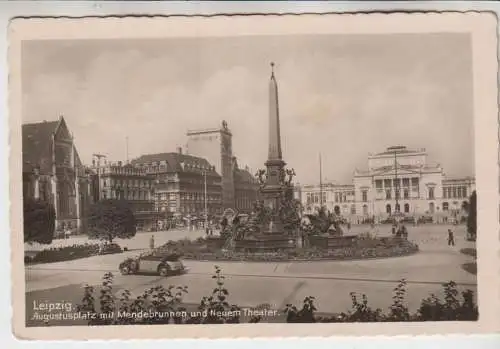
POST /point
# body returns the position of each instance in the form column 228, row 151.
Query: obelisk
column 273, row 190
column 274, row 161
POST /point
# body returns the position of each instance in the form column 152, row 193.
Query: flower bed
column 59, row 254
column 363, row 249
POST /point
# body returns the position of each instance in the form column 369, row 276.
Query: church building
column 53, row 172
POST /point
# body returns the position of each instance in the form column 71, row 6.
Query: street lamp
column 205, row 197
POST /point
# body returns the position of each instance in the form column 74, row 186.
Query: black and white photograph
column 261, row 178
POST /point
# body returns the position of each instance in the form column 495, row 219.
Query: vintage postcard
column 254, row 176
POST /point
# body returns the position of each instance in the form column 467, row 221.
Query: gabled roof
column 37, row 144
column 176, row 162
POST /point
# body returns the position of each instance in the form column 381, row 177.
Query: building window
column 387, row 183
column 353, row 209
column 364, row 195
column 414, row 182
column 445, row 192
column 454, row 192
column 388, row 208
column 378, row 184
column 365, row 210
column 431, row 193
column 406, row 182
column 406, row 194
column 337, row 210
column 431, row 207
column 324, row 197
column 407, row 208
column 397, row 182
column 388, row 194
column 464, row 192
column 445, row 206
column 397, row 208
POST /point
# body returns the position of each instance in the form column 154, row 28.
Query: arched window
column 407, row 208
column 353, row 209
column 388, row 208
column 365, row 210
column 445, row 206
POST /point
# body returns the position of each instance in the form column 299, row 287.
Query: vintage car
column 164, row 265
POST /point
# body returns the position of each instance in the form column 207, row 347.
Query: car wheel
column 125, row 270
column 163, row 270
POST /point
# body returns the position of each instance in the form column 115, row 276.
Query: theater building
column 396, row 180
column 53, row 172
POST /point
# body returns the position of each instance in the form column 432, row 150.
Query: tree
column 109, row 219
column 39, row 221
column 472, row 218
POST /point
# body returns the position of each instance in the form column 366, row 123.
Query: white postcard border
column 482, row 27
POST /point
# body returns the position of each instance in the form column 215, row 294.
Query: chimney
column 179, row 150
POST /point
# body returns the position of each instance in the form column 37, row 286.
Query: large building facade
column 396, row 180
column 183, row 184
column 115, row 180
column 216, row 146
column 246, row 189
column 53, row 172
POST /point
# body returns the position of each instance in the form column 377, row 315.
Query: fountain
column 267, row 229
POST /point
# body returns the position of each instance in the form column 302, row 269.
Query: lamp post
column 205, row 197
column 396, row 182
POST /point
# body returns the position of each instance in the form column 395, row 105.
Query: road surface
column 276, row 284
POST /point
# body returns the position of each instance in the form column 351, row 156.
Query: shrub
column 39, row 221
column 472, row 217
column 215, row 308
column 59, row 254
column 165, row 304
column 469, row 252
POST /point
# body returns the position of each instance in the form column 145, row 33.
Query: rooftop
column 176, row 162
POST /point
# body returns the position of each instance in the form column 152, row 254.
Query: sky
column 343, row 96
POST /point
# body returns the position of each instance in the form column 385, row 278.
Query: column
column 77, row 202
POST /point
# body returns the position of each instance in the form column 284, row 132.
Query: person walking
column 152, row 242
column 451, row 238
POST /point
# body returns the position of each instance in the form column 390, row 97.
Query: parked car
column 163, row 265
column 110, row 248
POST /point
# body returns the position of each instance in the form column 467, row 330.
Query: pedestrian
column 451, row 238
column 152, row 242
